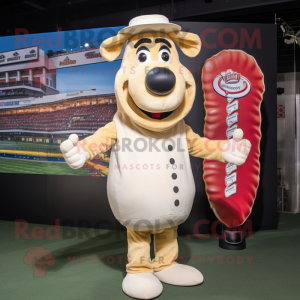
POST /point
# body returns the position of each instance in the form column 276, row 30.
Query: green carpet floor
column 99, row 256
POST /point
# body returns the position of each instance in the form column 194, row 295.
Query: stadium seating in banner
column 89, row 117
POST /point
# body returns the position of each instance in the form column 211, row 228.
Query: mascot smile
column 150, row 183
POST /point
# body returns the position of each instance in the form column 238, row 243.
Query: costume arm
column 101, row 141
column 203, row 147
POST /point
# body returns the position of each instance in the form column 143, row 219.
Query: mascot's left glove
column 236, row 150
column 73, row 153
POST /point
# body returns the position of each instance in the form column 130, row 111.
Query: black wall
column 81, row 201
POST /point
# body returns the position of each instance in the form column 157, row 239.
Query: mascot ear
column 189, row 43
column 111, row 47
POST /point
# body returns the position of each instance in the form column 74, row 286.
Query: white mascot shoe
column 181, row 275
column 142, row 286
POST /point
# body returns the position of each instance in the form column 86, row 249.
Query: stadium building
column 30, row 72
column 32, row 129
column 51, row 119
column 35, row 118
column 26, row 73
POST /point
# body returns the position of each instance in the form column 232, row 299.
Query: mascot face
column 152, row 87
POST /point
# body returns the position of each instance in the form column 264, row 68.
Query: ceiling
column 46, row 16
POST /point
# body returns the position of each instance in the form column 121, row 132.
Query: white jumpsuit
column 150, row 181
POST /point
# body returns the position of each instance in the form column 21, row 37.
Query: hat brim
column 162, row 27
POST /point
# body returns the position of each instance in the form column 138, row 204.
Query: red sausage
column 233, row 86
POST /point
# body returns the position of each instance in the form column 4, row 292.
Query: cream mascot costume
column 150, row 183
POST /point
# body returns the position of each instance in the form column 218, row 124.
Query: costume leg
column 140, row 283
column 165, row 267
column 166, row 248
column 138, row 252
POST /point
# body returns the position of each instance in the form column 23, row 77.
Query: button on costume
column 150, row 183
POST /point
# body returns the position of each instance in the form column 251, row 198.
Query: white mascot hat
column 148, row 23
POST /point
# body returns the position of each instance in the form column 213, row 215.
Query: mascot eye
column 143, row 56
column 164, row 55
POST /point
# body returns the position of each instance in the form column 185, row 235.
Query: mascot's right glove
column 73, row 153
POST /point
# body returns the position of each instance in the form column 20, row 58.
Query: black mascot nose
column 160, row 81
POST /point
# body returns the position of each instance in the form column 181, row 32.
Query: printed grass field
column 29, row 147
column 34, row 167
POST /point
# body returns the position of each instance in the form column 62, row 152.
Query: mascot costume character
column 151, row 191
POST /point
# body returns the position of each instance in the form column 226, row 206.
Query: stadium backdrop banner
column 53, row 85
column 66, row 87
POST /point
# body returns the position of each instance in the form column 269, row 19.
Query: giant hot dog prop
column 233, row 86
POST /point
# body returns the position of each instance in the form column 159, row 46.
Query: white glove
column 236, row 150
column 74, row 155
